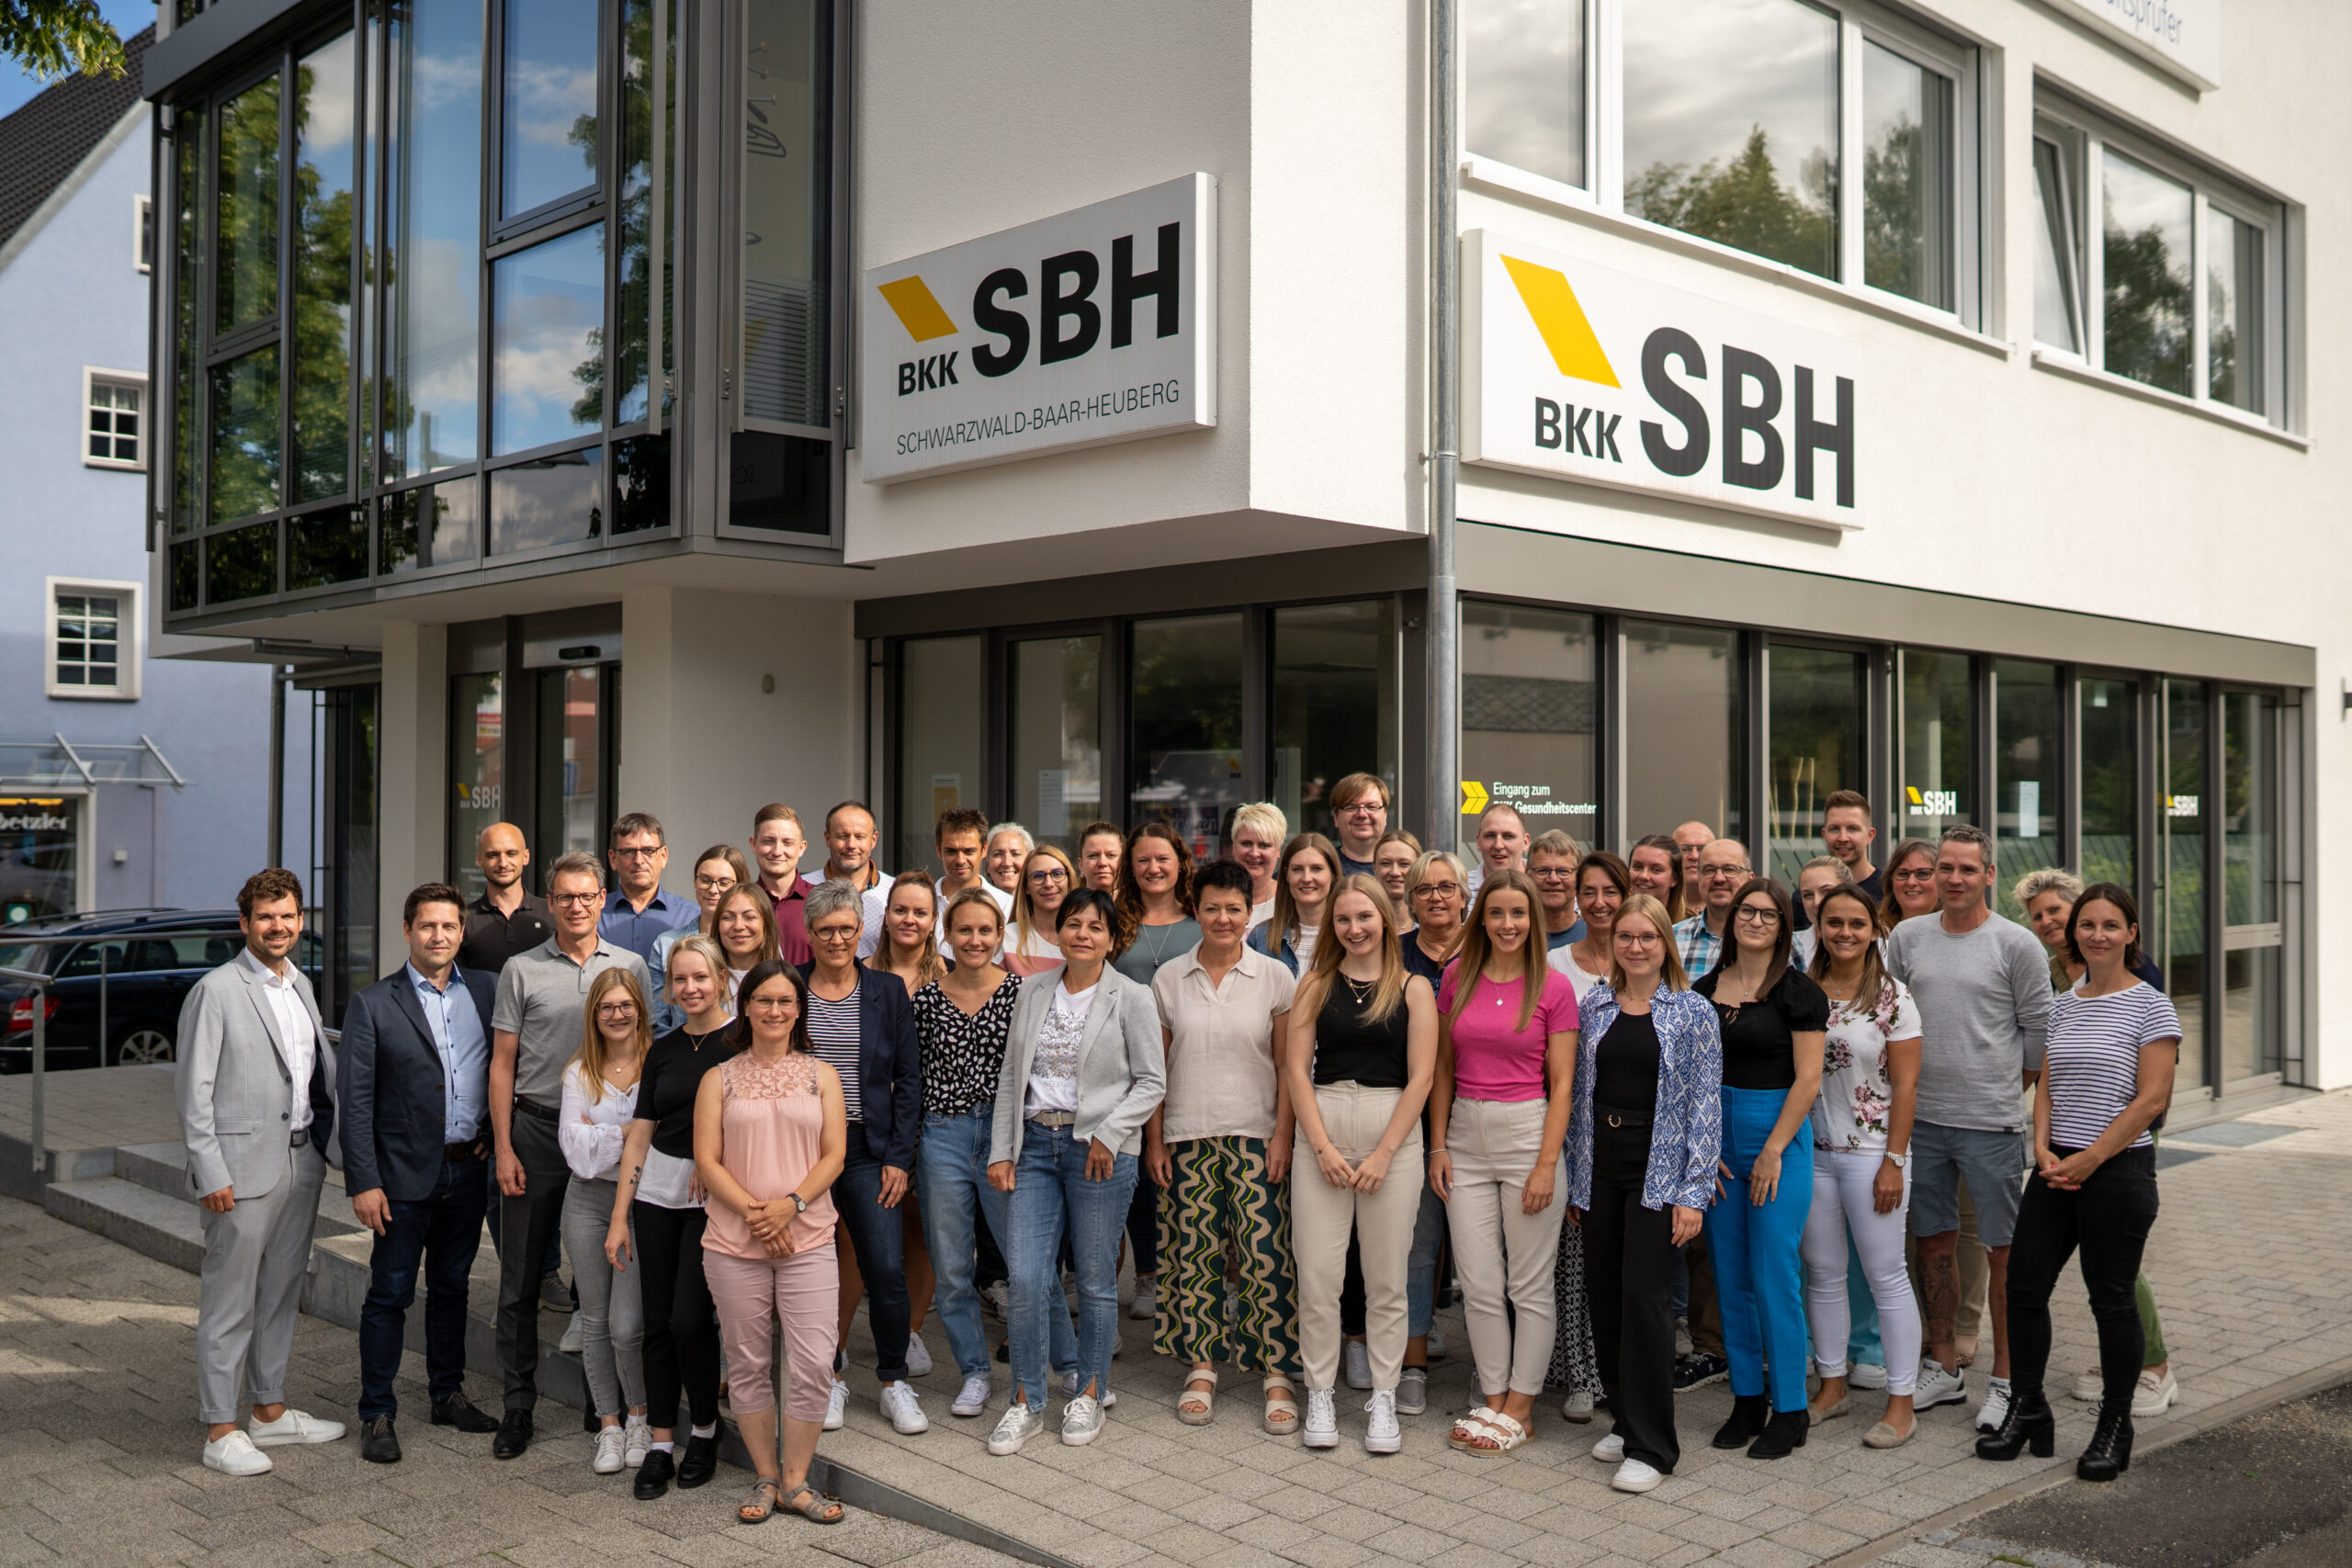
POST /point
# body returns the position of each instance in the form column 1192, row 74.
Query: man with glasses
column 1722, row 866
column 1503, row 843
column 1551, row 862
column 1360, row 812
column 536, row 1029
column 505, row 919
column 639, row 853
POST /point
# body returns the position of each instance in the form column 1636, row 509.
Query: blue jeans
column 444, row 1231
column 952, row 1179
column 1421, row 1267
column 1051, row 1192
column 1759, row 1270
column 878, row 1238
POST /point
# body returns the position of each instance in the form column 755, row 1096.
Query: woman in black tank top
column 1351, row 1046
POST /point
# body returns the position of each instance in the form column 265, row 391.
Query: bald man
column 505, row 919
column 1689, row 840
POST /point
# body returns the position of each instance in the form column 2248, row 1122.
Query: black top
column 962, row 1054
column 672, row 1076
column 1421, row 964
column 493, row 936
column 1626, row 1065
column 1347, row 1048
column 1758, row 1050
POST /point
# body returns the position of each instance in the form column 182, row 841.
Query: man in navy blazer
column 415, row 1078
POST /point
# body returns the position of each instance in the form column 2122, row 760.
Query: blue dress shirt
column 638, row 929
column 458, row 1035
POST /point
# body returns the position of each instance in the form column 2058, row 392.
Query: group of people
column 1298, row 1084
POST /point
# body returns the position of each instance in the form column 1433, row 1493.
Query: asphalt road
column 2272, row 1491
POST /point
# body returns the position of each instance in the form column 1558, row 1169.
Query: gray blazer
column 234, row 1083
column 1122, row 1071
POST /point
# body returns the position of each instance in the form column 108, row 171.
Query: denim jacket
column 1686, row 1134
column 1262, row 939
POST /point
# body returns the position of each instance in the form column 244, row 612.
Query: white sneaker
column 1996, row 1408
column 918, row 1356
column 612, row 1451
column 972, row 1399
column 1938, row 1386
column 294, row 1426
column 1020, row 1424
column 1110, row 1399
column 571, row 1344
column 905, row 1411
column 1866, row 1374
column 836, row 1406
column 637, row 1441
column 1321, row 1427
column 1436, row 1342
column 1611, row 1449
column 1359, row 1363
column 1082, row 1421
column 235, row 1455
column 1380, row 1433
column 1147, row 1298
column 1412, row 1391
column 998, row 1300
column 2155, row 1394
column 1635, row 1476
column 1577, row 1406
column 2090, row 1386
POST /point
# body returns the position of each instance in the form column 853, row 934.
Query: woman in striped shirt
column 2114, row 1044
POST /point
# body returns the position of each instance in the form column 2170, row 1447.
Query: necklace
column 1159, row 955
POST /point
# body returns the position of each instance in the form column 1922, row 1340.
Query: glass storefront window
column 555, row 499
column 2250, row 1006
column 787, row 112
column 2182, row 811
column 2250, row 808
column 943, row 740
column 1184, row 755
column 2025, row 774
column 477, row 771
column 2110, row 719
column 2149, row 294
column 40, row 839
column 642, row 55
column 323, row 85
column 1530, row 717
column 244, row 435
column 245, row 214
column 1523, row 103
column 430, row 526
column 1938, row 697
column 1906, row 178
column 547, row 336
column 546, row 103
column 1058, row 736
column 187, row 341
column 434, row 240
column 1684, row 705
column 570, row 764
column 1334, row 708
column 1818, row 723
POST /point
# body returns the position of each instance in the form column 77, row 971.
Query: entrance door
column 574, row 765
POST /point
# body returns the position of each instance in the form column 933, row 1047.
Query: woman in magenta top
column 1499, row 1112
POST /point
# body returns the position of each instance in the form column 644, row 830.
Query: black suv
column 152, row 959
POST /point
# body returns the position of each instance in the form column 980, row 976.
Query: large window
column 2185, row 813
column 2108, row 715
column 2026, row 783
column 1933, row 781
column 1729, row 119
column 943, row 740
column 1531, row 717
column 1817, row 727
column 1334, row 672
column 1057, row 735
column 476, row 770
column 1184, row 748
column 2250, row 803
column 1685, row 704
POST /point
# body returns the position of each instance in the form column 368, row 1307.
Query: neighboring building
column 127, row 778
column 1916, row 399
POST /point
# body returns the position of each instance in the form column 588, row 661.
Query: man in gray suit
column 256, row 1116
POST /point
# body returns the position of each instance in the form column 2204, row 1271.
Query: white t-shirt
column 2094, row 1058
column 1260, row 913
column 1857, row 1093
column 1302, row 946
column 1053, row 1067
column 997, row 895
column 1562, row 959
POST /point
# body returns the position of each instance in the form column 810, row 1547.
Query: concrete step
column 138, row 1217
column 161, row 1167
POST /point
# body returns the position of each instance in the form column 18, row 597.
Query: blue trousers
column 1051, row 1195
column 440, row 1232
column 959, row 1208
column 1760, row 1273
column 878, row 1238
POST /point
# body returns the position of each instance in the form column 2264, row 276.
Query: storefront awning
column 58, row 763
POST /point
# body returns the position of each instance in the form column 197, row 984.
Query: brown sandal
column 764, row 1497
column 819, row 1511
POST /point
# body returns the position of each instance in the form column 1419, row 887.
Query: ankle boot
column 2029, row 1422
column 1749, row 1414
column 1783, row 1435
column 2109, row 1454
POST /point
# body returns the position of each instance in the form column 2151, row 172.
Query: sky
column 17, row 88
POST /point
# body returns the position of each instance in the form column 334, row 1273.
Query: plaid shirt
column 1698, row 947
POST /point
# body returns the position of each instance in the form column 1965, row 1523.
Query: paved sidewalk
column 94, row 1108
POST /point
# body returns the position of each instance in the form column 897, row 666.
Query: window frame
column 130, row 644
column 142, row 233
column 93, row 377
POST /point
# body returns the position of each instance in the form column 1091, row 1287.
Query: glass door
column 1056, row 731
column 2181, row 859
column 477, row 771
column 573, row 766
column 2108, row 718
column 2251, row 929
column 1938, row 691
column 2025, row 775
column 943, row 709
column 1184, row 736
column 1816, row 730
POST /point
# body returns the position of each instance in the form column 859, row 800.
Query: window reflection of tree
column 1746, row 204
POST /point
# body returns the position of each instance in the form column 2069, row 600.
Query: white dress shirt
column 294, row 1031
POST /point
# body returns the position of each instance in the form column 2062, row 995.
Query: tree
column 53, row 39
column 1745, row 204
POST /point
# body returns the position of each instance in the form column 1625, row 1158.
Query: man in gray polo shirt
column 1983, row 986
column 535, row 1031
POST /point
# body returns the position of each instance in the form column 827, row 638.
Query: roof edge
column 138, row 115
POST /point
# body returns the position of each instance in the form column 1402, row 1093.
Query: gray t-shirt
column 1983, row 1003
column 543, row 1001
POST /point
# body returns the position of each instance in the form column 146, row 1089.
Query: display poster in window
column 1088, row 327
column 1578, row 371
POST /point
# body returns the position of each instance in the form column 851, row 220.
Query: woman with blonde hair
column 1303, row 880
column 1360, row 1056
column 909, row 946
column 1047, row 878
column 599, row 1103
column 1506, row 1023
column 719, row 871
column 1393, row 860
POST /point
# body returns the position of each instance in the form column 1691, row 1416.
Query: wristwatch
column 1900, row 1162
column 799, row 1204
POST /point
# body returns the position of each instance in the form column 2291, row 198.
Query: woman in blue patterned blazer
column 1644, row 1136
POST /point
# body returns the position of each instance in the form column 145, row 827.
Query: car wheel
column 140, row 1045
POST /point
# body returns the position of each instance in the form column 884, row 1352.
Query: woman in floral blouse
column 1862, row 1138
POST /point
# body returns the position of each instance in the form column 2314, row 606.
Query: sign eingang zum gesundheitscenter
column 1578, row 371
column 1091, row 326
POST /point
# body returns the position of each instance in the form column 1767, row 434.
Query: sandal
column 1471, row 1426
column 764, row 1497
column 1197, row 1406
column 1503, row 1434
column 1282, row 1406
column 820, row 1510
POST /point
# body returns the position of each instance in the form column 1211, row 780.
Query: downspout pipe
column 1443, row 615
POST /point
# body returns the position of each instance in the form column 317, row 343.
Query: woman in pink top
column 1499, row 1112
column 770, row 1136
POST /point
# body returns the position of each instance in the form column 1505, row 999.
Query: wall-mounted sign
column 1583, row 372
column 1093, row 326
column 2182, row 36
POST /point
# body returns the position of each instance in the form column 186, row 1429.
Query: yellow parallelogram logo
column 918, row 310
column 1554, row 307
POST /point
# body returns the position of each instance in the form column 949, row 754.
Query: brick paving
column 94, row 1108
column 2247, row 1263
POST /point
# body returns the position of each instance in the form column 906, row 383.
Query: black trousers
column 527, row 1226
column 681, row 1329
column 1629, row 1277
column 2107, row 1221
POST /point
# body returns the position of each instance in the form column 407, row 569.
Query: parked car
column 150, row 959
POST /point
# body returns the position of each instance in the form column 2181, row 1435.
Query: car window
column 158, row 953
column 20, row 956
column 83, row 961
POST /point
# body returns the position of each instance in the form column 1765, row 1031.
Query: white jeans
column 1499, row 1251
column 1842, row 1200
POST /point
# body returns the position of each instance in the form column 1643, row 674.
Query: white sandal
column 1477, row 1421
column 1505, row 1430
column 1197, row 1406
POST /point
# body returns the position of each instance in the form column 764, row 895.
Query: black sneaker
column 700, row 1463
column 378, row 1445
column 653, row 1476
column 463, row 1414
column 1698, row 1370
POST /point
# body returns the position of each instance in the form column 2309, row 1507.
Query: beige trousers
column 1497, row 1249
column 1355, row 1118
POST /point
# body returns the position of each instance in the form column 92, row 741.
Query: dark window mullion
column 289, row 223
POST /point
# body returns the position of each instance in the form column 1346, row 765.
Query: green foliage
column 1744, row 204
column 2148, row 309
column 54, row 39
column 1895, row 216
column 322, row 358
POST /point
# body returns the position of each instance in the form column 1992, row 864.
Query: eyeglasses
column 618, row 1009
column 575, row 900
column 714, row 884
column 1363, row 809
column 773, row 1004
column 1553, row 873
column 1437, row 890
column 1047, row 878
column 1637, row 939
column 1928, row 876
column 640, row 854
column 1757, row 917
column 1724, row 872
column 836, row 934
